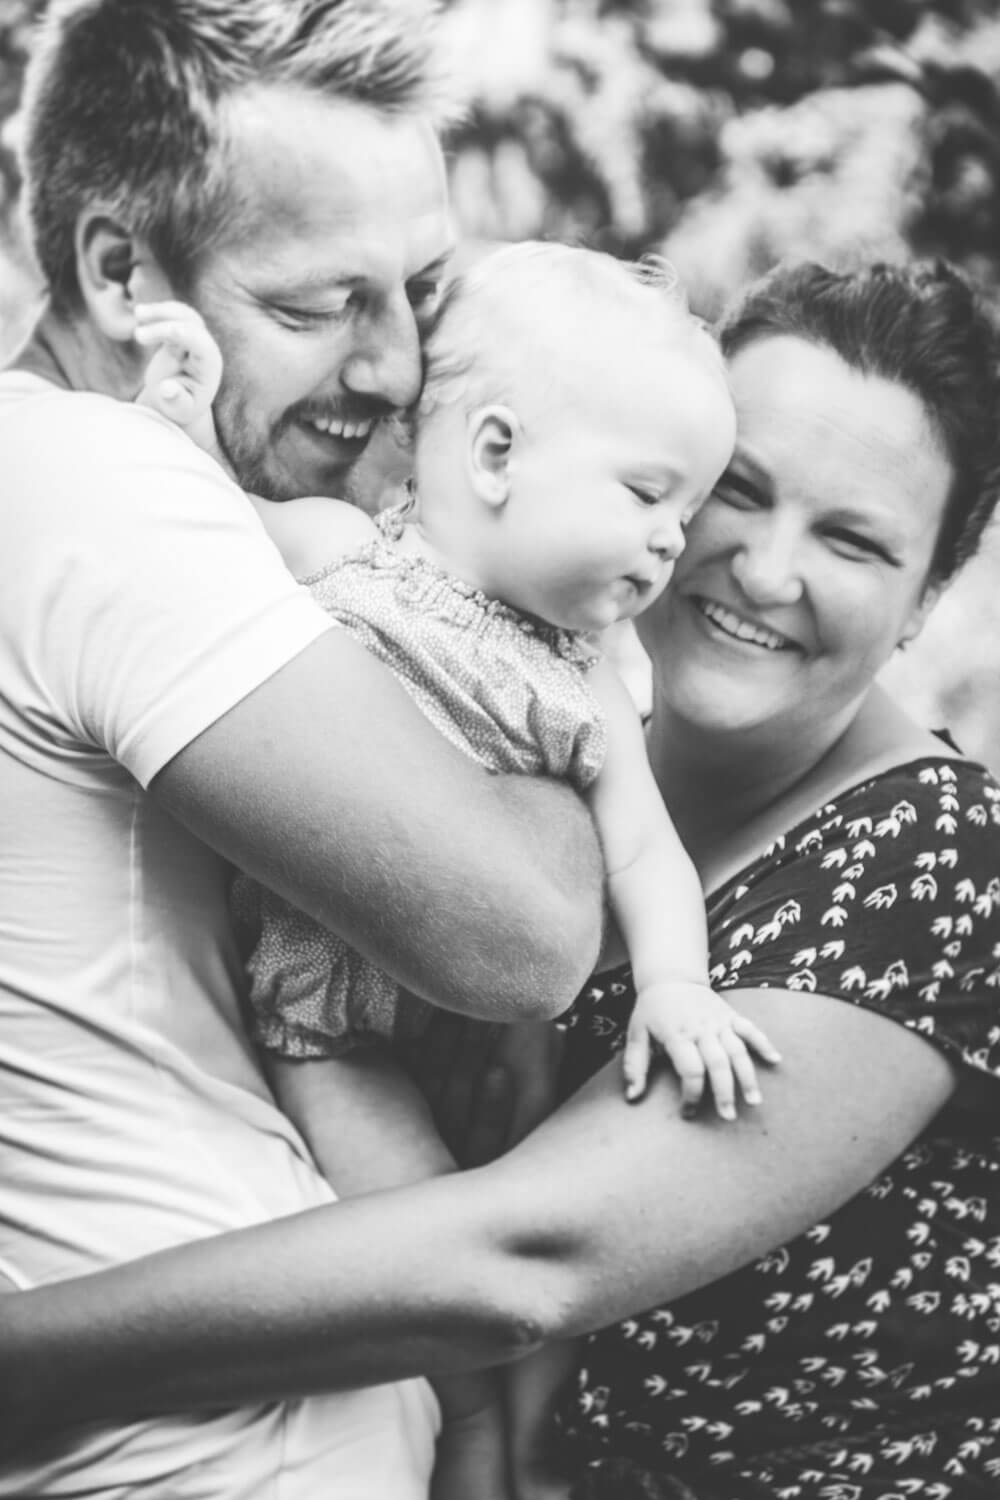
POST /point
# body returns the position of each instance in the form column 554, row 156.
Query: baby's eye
column 645, row 496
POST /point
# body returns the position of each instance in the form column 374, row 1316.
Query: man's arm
column 497, row 1259
column 481, row 893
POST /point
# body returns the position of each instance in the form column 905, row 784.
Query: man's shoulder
column 73, row 457
column 27, row 401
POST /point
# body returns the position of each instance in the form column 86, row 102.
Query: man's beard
column 251, row 462
column 372, row 480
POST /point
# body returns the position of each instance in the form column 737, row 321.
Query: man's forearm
column 258, row 1315
column 478, row 892
column 497, row 1260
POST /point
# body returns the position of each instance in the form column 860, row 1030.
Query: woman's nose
column 767, row 570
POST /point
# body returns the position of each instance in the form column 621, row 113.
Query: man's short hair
column 125, row 106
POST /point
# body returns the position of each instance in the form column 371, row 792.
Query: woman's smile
column 739, row 627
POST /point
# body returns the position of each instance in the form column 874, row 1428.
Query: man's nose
column 385, row 362
column 768, row 567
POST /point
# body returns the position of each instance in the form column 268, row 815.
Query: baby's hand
column 183, row 376
column 702, row 1035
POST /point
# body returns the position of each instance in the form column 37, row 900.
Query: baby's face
column 616, row 459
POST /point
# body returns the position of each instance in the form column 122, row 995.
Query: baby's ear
column 492, row 432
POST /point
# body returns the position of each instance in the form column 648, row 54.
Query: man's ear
column 492, row 431
column 109, row 264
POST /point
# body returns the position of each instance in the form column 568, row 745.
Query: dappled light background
column 725, row 134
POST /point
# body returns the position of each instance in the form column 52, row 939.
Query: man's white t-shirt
column 140, row 599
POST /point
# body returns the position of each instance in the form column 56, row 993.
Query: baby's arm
column 658, row 903
column 314, row 531
column 369, row 1127
column 183, row 375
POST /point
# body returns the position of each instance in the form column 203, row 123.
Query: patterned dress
column 861, row 1360
column 510, row 691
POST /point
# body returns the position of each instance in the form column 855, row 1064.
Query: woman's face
column 809, row 563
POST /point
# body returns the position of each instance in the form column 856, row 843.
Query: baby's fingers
column 690, row 1069
column 635, row 1062
column 169, row 312
column 742, row 1067
column 755, row 1038
column 715, row 1053
column 171, row 334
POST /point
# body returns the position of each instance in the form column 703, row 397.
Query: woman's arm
column 607, row 1208
column 479, row 892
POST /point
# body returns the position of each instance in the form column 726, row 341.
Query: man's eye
column 424, row 295
column 736, row 491
column 313, row 317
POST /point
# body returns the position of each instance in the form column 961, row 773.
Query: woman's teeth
column 732, row 624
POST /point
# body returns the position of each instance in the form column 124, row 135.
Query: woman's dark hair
column 920, row 326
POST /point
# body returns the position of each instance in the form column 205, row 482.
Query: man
column 169, row 698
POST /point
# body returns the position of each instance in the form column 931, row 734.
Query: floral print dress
column 861, row 1360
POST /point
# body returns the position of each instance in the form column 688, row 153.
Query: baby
column 573, row 418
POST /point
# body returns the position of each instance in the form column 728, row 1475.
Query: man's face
column 318, row 291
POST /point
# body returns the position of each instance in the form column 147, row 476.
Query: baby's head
column 574, row 414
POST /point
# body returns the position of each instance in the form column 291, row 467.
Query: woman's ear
column 918, row 618
column 108, row 262
column 492, row 432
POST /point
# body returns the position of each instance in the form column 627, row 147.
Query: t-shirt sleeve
column 890, row 900
column 143, row 597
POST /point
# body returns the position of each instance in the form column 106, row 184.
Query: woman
column 850, row 855
column 823, row 1274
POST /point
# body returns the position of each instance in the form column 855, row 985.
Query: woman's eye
column 852, row 543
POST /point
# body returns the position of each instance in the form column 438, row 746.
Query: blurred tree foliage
column 16, row 20
column 726, row 133
column 734, row 131
column 740, row 128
